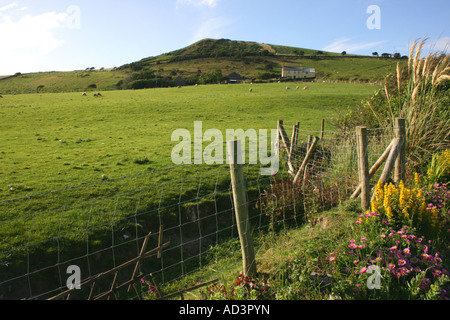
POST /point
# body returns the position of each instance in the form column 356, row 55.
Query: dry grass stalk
column 399, row 76
column 423, row 106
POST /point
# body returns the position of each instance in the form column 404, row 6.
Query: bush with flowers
column 425, row 208
column 389, row 264
column 395, row 250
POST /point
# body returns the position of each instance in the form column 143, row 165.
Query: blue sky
column 69, row 35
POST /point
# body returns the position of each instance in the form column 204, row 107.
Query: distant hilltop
column 210, row 61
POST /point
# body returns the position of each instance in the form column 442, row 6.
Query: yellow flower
column 389, row 213
column 374, row 206
column 416, row 178
column 404, row 193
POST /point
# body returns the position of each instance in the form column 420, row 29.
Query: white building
column 297, row 72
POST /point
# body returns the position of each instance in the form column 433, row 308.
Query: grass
column 53, row 141
column 418, row 92
column 57, row 81
column 188, row 63
column 279, row 256
column 316, row 262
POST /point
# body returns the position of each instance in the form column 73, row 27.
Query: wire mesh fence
column 102, row 225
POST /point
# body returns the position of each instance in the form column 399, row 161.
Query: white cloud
column 212, row 28
column 197, row 3
column 27, row 37
column 441, row 44
column 32, row 32
column 345, row 45
column 8, row 6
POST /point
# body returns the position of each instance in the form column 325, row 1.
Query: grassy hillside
column 252, row 60
column 60, row 81
column 54, row 140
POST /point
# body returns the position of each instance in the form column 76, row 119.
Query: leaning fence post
column 241, row 209
column 400, row 132
column 363, row 166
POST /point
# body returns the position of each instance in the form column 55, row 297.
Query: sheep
column 306, row 87
column 297, row 87
column 288, row 88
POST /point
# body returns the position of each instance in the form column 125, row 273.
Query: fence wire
column 101, row 225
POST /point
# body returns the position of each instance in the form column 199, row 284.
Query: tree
column 344, row 53
column 91, row 86
column 375, row 54
column 211, row 77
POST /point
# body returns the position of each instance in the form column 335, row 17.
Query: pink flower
column 363, row 270
column 436, row 272
column 401, row 262
column 331, row 259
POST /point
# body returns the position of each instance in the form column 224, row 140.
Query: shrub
column 382, row 262
column 418, row 93
column 403, row 206
column 244, row 288
column 438, row 170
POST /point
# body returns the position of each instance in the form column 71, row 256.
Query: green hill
column 206, row 61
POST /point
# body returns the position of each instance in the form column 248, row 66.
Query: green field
column 53, row 141
column 74, row 143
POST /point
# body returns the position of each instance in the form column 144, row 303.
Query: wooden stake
column 284, row 137
column 160, row 237
column 374, row 168
column 294, row 138
column 363, row 167
column 389, row 162
column 241, row 209
column 305, row 161
column 400, row 131
column 143, row 248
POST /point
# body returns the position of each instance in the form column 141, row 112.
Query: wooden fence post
column 400, row 132
column 363, row 166
column 241, row 209
column 305, row 160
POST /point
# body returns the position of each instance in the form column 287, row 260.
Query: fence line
column 101, row 225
